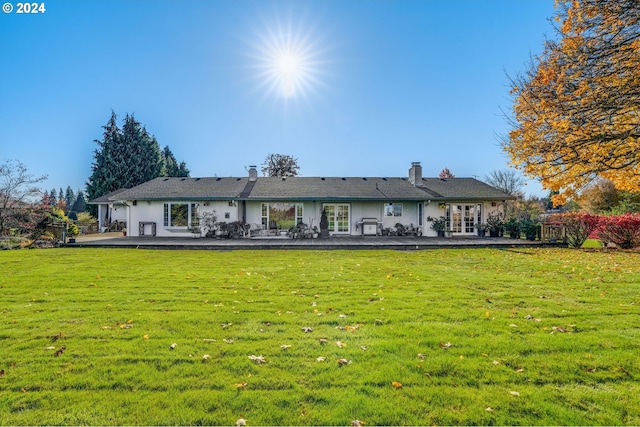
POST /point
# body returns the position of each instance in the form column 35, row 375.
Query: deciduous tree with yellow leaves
column 576, row 111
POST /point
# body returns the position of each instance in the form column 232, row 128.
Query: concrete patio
column 116, row 240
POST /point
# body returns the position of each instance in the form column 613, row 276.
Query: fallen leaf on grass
column 173, row 346
column 422, row 356
column 343, row 362
column 227, row 341
column 514, row 393
column 396, row 384
column 241, row 422
column 56, row 337
column 340, row 344
column 145, row 337
column 258, row 359
column 323, row 341
column 307, row 329
column 357, row 423
column 321, row 359
column 445, row 345
column 241, row 386
column 488, row 409
column 363, row 347
column 285, row 346
column 205, row 357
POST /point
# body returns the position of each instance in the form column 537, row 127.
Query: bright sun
column 288, row 61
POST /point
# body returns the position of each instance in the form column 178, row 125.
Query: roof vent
column 323, row 178
column 218, row 179
column 183, row 179
column 364, row 179
column 197, row 179
column 384, row 179
column 344, row 179
column 166, row 179
column 284, row 178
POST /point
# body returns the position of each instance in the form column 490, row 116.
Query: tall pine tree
column 69, row 197
column 127, row 157
column 171, row 165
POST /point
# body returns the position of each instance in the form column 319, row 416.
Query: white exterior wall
column 145, row 211
column 152, row 211
column 433, row 209
column 312, row 211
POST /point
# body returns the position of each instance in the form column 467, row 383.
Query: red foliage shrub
column 623, row 230
column 578, row 226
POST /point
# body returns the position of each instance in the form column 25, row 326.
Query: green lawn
column 469, row 336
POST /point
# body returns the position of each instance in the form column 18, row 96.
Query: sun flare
column 288, row 61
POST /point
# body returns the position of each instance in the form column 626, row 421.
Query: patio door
column 338, row 216
column 464, row 218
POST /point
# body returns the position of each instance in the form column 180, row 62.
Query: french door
column 338, row 216
column 465, row 217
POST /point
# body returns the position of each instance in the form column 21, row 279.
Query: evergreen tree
column 127, row 157
column 60, row 195
column 53, row 197
column 142, row 153
column 69, row 197
column 109, row 164
column 80, row 205
column 171, row 165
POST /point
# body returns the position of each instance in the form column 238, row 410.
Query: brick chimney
column 415, row 173
column 253, row 173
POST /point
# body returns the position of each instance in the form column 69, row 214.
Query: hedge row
column 622, row 230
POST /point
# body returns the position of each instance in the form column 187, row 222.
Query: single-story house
column 353, row 205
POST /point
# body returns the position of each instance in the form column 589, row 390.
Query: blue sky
column 348, row 87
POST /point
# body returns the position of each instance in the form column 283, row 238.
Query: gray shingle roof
column 463, row 188
column 106, row 198
column 185, row 189
column 310, row 188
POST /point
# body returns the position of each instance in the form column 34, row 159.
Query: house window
column 180, row 214
column 393, row 209
column 285, row 215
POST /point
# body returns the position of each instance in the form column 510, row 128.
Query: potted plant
column 324, row 224
column 124, row 231
column 222, row 229
column 512, row 226
column 530, row 228
column 482, row 229
column 195, row 231
column 208, row 222
column 439, row 225
column 495, row 225
column 316, row 232
column 72, row 231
